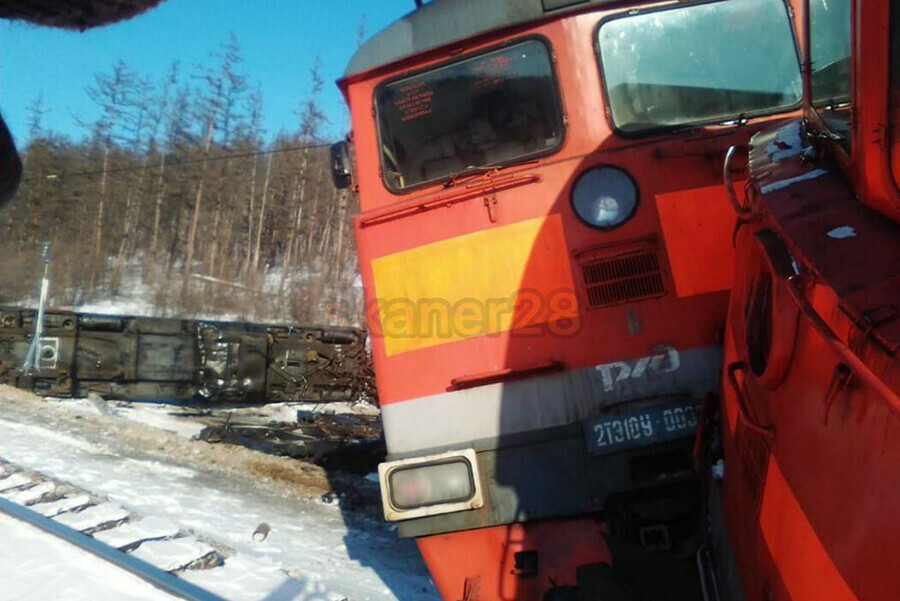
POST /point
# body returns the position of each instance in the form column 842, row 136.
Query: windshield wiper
column 741, row 119
column 455, row 176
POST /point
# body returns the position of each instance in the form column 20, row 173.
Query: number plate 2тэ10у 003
column 646, row 426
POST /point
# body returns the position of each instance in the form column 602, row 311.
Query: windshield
column 705, row 63
column 488, row 110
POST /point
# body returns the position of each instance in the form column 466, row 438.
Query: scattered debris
column 100, row 404
column 261, row 532
column 348, row 442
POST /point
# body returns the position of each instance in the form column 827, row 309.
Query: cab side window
column 829, row 51
column 894, row 90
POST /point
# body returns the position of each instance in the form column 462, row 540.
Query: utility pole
column 32, row 359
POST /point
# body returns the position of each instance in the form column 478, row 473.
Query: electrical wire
column 209, row 159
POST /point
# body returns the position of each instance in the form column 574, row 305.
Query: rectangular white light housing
column 431, row 485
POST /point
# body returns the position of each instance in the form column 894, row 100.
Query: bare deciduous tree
column 178, row 171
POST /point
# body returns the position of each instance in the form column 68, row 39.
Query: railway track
column 135, row 477
column 154, row 550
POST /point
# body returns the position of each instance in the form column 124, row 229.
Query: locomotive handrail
column 766, row 431
column 500, row 375
column 470, row 191
column 742, row 212
column 859, row 367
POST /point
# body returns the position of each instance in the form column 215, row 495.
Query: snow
column 130, row 533
column 62, row 506
column 785, row 183
column 340, row 303
column 843, row 232
column 171, row 555
column 170, row 417
column 787, row 143
column 160, row 416
column 93, row 517
column 13, row 482
column 256, row 580
column 30, row 495
column 165, row 417
column 314, row 551
column 120, row 305
column 334, row 408
column 49, row 438
column 34, row 566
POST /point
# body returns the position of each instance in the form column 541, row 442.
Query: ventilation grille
column 623, row 279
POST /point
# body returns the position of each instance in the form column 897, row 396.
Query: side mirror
column 10, row 165
column 341, row 174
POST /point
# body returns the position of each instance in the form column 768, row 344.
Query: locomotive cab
column 810, row 432
column 546, row 248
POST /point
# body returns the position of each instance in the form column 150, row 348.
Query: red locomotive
column 811, row 392
column 546, row 246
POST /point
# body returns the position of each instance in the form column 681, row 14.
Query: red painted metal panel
column 483, row 561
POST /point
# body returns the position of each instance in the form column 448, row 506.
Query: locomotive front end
column 546, row 249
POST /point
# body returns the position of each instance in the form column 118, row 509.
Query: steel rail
column 138, row 567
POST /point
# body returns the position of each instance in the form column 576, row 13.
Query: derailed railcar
column 811, row 400
column 146, row 358
column 546, row 247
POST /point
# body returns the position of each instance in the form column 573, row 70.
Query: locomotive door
column 763, row 322
column 811, row 446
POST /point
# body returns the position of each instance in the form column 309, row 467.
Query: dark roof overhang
column 443, row 22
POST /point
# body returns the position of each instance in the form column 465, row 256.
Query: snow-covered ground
column 163, row 416
column 34, row 566
column 268, row 301
column 217, row 494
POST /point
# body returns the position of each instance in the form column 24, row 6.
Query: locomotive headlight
column 430, row 485
column 605, row 197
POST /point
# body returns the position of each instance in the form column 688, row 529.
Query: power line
column 225, row 157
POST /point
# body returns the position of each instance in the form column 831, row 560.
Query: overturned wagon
column 143, row 358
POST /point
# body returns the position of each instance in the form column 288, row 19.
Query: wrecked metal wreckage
column 210, row 368
column 183, row 360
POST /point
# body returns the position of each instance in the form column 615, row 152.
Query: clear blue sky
column 279, row 40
